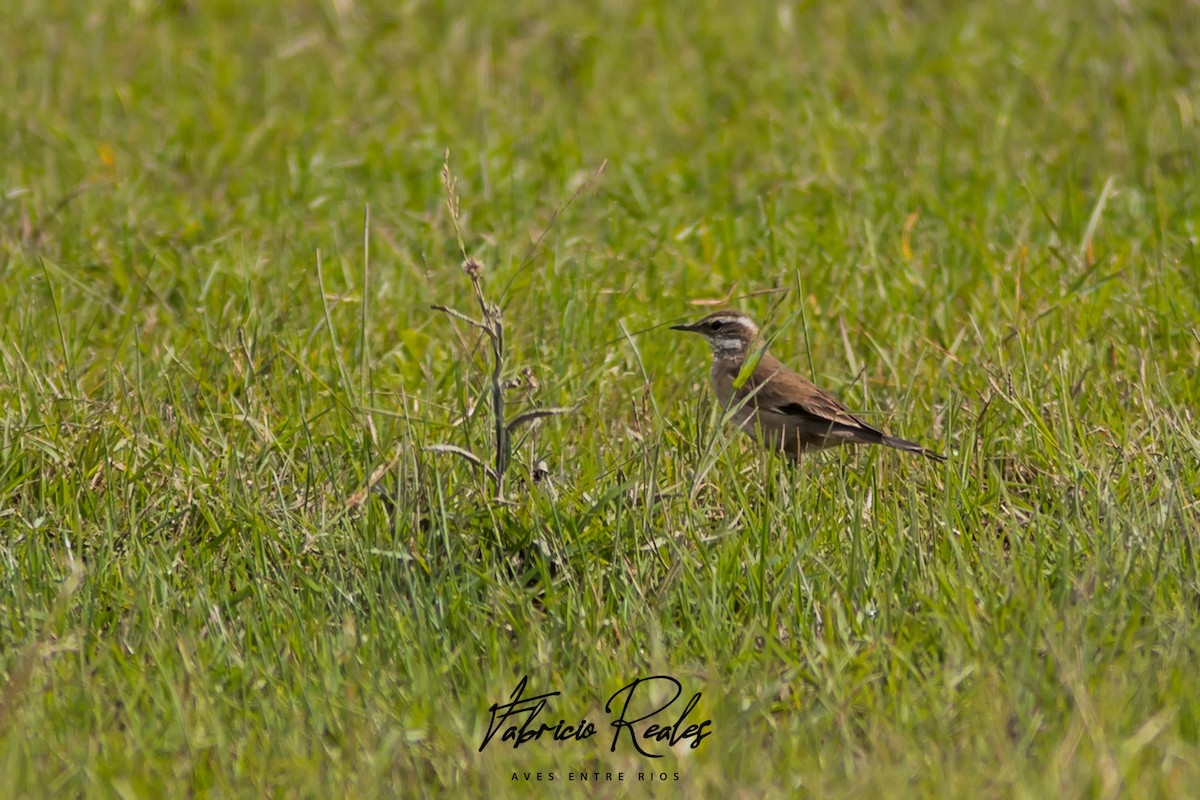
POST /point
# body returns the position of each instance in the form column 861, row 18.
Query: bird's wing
column 789, row 394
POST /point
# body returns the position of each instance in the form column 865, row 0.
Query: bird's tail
column 911, row 447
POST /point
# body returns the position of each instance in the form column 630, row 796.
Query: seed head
column 473, row 268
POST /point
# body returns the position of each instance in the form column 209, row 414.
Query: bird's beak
column 686, row 327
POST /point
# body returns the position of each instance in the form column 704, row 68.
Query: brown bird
column 780, row 408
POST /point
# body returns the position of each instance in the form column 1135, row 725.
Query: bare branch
column 461, row 317
column 465, row 454
column 538, row 413
column 503, row 444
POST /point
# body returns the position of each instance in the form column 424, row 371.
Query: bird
column 780, row 408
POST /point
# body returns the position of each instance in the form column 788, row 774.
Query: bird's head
column 727, row 332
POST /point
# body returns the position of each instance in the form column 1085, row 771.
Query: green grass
column 976, row 222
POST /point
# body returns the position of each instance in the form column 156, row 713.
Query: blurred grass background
column 222, row 226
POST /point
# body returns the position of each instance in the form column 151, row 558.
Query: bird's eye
column 717, row 325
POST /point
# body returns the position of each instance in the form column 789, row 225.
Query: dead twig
column 467, row 455
column 538, row 413
column 492, row 325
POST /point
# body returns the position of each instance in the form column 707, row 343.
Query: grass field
column 222, row 229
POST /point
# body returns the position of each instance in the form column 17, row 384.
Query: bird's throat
column 729, row 348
